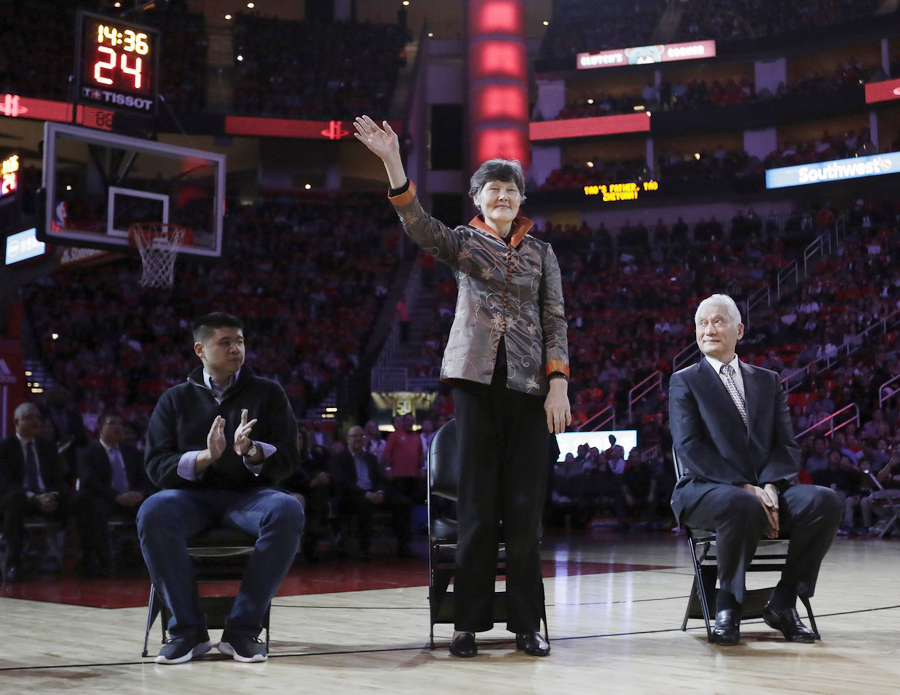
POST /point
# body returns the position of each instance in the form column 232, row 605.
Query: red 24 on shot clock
column 117, row 64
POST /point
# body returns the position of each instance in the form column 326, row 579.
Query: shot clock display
column 117, row 64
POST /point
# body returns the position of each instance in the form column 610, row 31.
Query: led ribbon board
column 646, row 55
column 838, row 170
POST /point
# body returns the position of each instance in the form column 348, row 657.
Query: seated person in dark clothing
column 32, row 484
column 639, row 486
column 363, row 488
column 601, row 490
column 844, row 478
column 311, row 483
column 112, row 479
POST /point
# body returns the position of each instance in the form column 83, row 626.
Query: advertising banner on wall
column 646, row 55
column 837, row 170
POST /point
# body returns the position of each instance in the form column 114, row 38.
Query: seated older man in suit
column 112, row 479
column 732, row 433
column 32, row 483
column 363, row 488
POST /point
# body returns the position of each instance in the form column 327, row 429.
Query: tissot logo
column 10, row 106
column 335, row 130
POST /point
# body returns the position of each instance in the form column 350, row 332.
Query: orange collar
column 520, row 227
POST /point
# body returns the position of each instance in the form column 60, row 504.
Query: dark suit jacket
column 343, row 472
column 713, row 444
column 12, row 466
column 95, row 471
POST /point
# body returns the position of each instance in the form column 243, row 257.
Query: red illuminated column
column 498, row 81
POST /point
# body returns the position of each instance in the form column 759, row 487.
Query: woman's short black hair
column 507, row 170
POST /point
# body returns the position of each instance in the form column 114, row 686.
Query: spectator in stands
column 311, row 483
column 33, row 482
column 111, row 477
column 880, row 500
column 374, row 443
column 217, row 445
column 362, row 489
column 404, row 460
column 508, row 398
column 639, row 487
column 68, row 427
column 843, row 477
column 818, row 457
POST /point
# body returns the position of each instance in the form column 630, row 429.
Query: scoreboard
column 116, row 64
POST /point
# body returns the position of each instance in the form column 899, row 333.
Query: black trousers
column 503, row 447
column 811, row 514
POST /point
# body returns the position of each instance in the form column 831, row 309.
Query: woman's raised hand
column 385, row 143
column 382, row 141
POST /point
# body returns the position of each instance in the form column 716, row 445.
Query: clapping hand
column 242, row 442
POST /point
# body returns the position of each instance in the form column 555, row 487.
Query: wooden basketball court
column 614, row 603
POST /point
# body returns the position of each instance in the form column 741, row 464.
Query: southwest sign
column 838, row 170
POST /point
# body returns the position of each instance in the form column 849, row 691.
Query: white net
column 158, row 244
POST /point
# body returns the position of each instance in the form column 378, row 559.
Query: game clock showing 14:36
column 118, row 64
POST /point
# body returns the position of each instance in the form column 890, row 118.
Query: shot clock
column 116, row 64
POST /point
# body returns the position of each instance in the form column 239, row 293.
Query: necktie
column 736, row 396
column 32, row 475
column 119, row 479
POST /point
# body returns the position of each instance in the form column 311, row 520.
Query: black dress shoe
column 532, row 643
column 728, row 626
column 788, row 621
column 463, row 645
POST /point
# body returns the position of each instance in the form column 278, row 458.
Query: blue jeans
column 167, row 520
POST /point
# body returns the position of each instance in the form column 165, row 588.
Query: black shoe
column 463, row 645
column 728, row 626
column 788, row 621
column 13, row 573
column 243, row 647
column 182, row 649
column 532, row 643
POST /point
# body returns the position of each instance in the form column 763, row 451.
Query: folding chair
column 702, row 543
column 43, row 539
column 885, row 524
column 214, row 552
column 443, row 484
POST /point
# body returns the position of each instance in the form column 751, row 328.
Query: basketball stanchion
column 158, row 243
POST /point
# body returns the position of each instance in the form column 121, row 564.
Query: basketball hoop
column 158, row 243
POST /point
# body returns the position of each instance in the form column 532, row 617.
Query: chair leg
column 811, row 616
column 544, row 613
column 153, row 609
column 700, row 588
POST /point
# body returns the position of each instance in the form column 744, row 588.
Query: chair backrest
column 443, row 463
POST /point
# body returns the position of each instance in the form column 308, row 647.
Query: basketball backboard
column 98, row 184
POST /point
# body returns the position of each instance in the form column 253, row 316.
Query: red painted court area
column 381, row 573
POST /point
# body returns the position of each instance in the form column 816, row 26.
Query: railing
column 883, row 393
column 834, row 428
column 610, row 413
column 847, row 348
column 763, row 294
column 685, row 357
column 387, row 379
column 642, row 389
